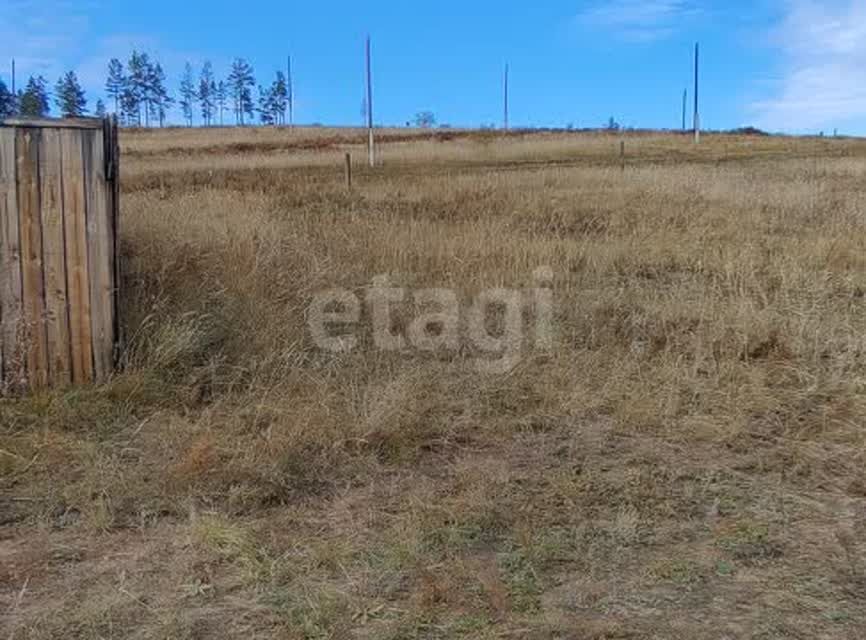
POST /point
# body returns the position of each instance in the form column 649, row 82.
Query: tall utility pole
column 505, row 113
column 697, row 104
column 685, row 101
column 16, row 108
column 290, row 91
column 371, row 149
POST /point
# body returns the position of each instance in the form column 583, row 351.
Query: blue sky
column 784, row 65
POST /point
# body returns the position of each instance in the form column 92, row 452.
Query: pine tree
column 159, row 93
column 69, row 96
column 115, row 83
column 99, row 111
column 7, row 101
column 266, row 105
column 221, row 96
column 143, row 79
column 33, row 102
column 240, row 83
column 135, row 86
column 150, row 92
column 273, row 101
column 280, row 92
column 129, row 112
column 207, row 93
column 187, row 94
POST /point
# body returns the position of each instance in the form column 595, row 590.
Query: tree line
column 139, row 95
column 34, row 101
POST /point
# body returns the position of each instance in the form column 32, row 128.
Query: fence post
column 348, row 171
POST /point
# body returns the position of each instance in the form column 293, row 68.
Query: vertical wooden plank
column 11, row 361
column 114, row 214
column 54, row 258
column 75, row 233
column 100, row 253
column 348, row 172
column 34, row 340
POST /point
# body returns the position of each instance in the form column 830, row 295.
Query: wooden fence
column 58, row 252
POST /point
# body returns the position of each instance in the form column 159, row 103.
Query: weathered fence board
column 54, row 258
column 77, row 272
column 58, row 252
column 11, row 363
column 27, row 165
column 101, row 253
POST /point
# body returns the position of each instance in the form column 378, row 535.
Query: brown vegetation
column 684, row 464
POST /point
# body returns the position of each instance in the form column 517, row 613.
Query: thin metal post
column 505, row 119
column 291, row 92
column 371, row 144
column 697, row 104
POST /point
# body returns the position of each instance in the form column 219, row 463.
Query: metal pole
column 685, row 101
column 291, row 92
column 697, row 78
column 506, row 98
column 15, row 105
column 370, row 141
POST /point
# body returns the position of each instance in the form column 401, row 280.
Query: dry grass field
column 686, row 461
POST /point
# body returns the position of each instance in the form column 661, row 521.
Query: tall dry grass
column 692, row 444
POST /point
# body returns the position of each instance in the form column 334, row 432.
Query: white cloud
column 823, row 79
column 639, row 20
column 50, row 37
column 41, row 34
